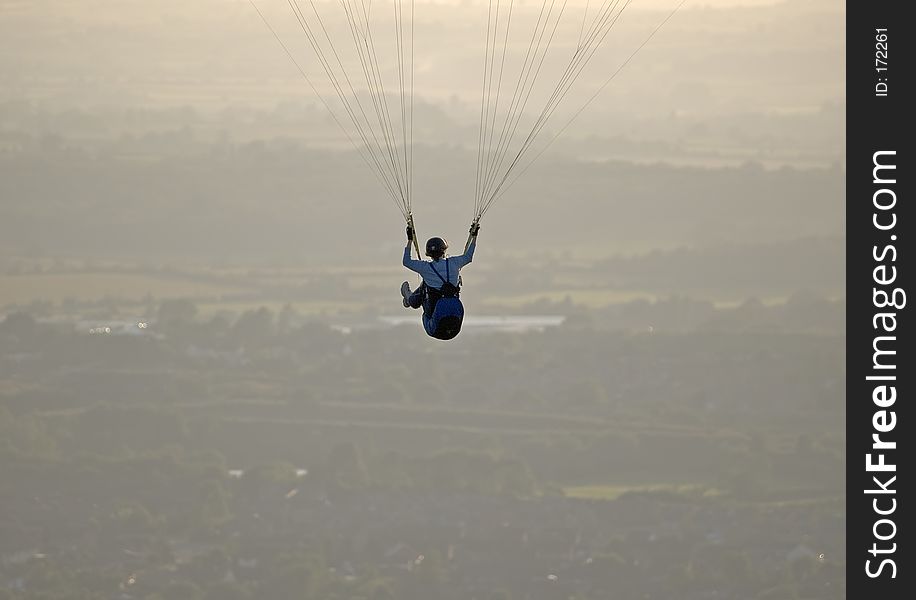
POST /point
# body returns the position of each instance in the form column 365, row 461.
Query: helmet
column 436, row 247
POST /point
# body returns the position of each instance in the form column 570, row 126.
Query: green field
column 308, row 291
column 612, row 492
column 90, row 286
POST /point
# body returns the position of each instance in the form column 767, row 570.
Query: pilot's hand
column 409, row 233
column 475, row 228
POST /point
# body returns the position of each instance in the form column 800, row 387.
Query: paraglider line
column 372, row 167
column 591, row 99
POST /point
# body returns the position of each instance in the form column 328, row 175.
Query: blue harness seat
column 443, row 311
column 445, row 321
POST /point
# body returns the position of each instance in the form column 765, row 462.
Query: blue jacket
column 426, row 268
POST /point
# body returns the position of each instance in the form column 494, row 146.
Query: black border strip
column 877, row 249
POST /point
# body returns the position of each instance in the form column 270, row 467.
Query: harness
column 448, row 290
column 442, row 311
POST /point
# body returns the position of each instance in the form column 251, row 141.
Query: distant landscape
column 703, row 452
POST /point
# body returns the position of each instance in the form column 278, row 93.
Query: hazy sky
column 130, row 78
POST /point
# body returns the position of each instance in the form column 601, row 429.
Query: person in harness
column 438, row 294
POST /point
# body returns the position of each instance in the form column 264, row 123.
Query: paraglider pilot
column 440, row 281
